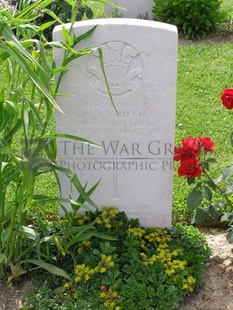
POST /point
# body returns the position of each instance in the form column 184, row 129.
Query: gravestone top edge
column 119, row 22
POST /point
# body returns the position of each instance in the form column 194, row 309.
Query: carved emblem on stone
column 123, row 67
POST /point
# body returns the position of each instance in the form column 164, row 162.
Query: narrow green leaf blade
column 50, row 268
column 105, row 78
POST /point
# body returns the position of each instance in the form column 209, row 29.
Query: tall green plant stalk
column 27, row 102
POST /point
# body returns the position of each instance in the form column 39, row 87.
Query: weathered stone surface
column 135, row 163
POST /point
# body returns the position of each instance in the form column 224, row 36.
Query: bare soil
column 216, row 292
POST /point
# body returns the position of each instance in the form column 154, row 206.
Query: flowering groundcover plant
column 194, row 164
column 144, row 268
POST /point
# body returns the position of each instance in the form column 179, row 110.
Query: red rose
column 189, row 149
column 190, row 168
column 178, row 153
column 227, row 98
column 207, row 144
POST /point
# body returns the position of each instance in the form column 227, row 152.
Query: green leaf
column 103, row 236
column 26, row 123
column 105, row 77
column 227, row 173
column 68, row 136
column 53, row 15
column 194, row 199
column 91, row 190
column 89, row 13
column 46, row 25
column 228, row 190
column 207, row 193
column 29, row 71
column 228, row 216
column 2, row 258
column 218, row 180
column 230, row 235
column 67, row 36
column 46, row 239
column 201, row 215
column 36, row 4
column 84, row 36
column 59, row 246
column 50, row 268
column 214, row 212
column 232, row 139
column 29, row 232
column 111, row 4
column 190, row 180
column 34, row 235
column 211, row 184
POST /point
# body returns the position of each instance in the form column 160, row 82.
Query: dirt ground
column 217, row 290
column 215, row 294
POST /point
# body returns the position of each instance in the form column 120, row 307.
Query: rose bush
column 194, row 165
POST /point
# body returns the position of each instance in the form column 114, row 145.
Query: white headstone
column 135, row 163
column 133, row 9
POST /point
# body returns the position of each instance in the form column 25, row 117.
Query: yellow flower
column 86, row 243
column 102, row 269
column 137, row 232
column 98, row 220
column 80, row 222
column 186, row 286
column 190, row 280
column 169, row 272
column 87, row 277
column 77, row 279
column 67, row 285
column 114, row 294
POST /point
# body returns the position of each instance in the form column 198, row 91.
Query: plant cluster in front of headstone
column 27, row 142
column 143, row 268
column 195, row 165
column 194, row 19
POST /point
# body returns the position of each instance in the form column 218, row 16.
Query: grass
column 204, row 70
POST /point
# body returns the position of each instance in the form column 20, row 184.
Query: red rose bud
column 227, row 98
column 207, row 144
column 190, row 168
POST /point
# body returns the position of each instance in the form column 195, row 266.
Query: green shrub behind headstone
column 195, row 19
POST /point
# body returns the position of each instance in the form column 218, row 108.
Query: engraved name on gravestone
column 133, row 9
column 135, row 161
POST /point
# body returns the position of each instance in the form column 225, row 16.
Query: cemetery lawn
column 204, row 70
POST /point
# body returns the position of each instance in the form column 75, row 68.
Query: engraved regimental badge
column 123, row 67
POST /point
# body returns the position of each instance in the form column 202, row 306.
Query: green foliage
column 63, row 10
column 195, row 19
column 27, row 150
column 200, row 199
column 142, row 269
